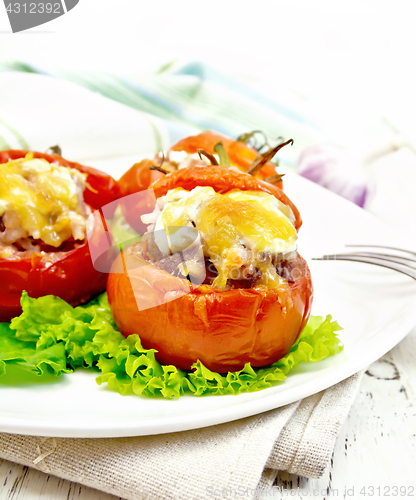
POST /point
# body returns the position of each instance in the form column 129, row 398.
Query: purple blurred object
column 336, row 169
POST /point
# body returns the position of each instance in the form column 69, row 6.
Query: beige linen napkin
column 241, row 457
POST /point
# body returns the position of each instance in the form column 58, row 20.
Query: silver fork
column 402, row 264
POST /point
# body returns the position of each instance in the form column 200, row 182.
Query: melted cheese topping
column 240, row 230
column 41, row 200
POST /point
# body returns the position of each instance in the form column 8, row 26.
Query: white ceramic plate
column 376, row 307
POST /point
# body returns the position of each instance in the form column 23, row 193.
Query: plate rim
column 228, row 413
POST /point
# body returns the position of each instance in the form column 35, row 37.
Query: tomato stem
column 261, row 160
column 160, row 168
column 274, row 179
column 222, row 153
column 210, row 157
column 55, row 150
column 251, row 136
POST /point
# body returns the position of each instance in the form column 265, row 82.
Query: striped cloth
column 192, row 97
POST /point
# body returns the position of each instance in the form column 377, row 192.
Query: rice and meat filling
column 41, row 207
column 241, row 239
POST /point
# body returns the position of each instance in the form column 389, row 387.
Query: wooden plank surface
column 375, row 452
column 377, row 444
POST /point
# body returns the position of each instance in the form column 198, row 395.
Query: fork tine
column 411, row 252
column 377, row 254
column 357, row 258
column 380, row 256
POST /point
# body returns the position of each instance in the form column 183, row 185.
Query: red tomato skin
column 238, row 152
column 71, row 277
column 136, row 179
column 101, row 188
column 223, row 329
column 139, row 177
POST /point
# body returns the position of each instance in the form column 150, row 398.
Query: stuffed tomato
column 184, row 154
column 242, row 294
column 47, row 204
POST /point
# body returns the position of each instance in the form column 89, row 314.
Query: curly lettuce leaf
column 51, row 359
column 52, row 336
